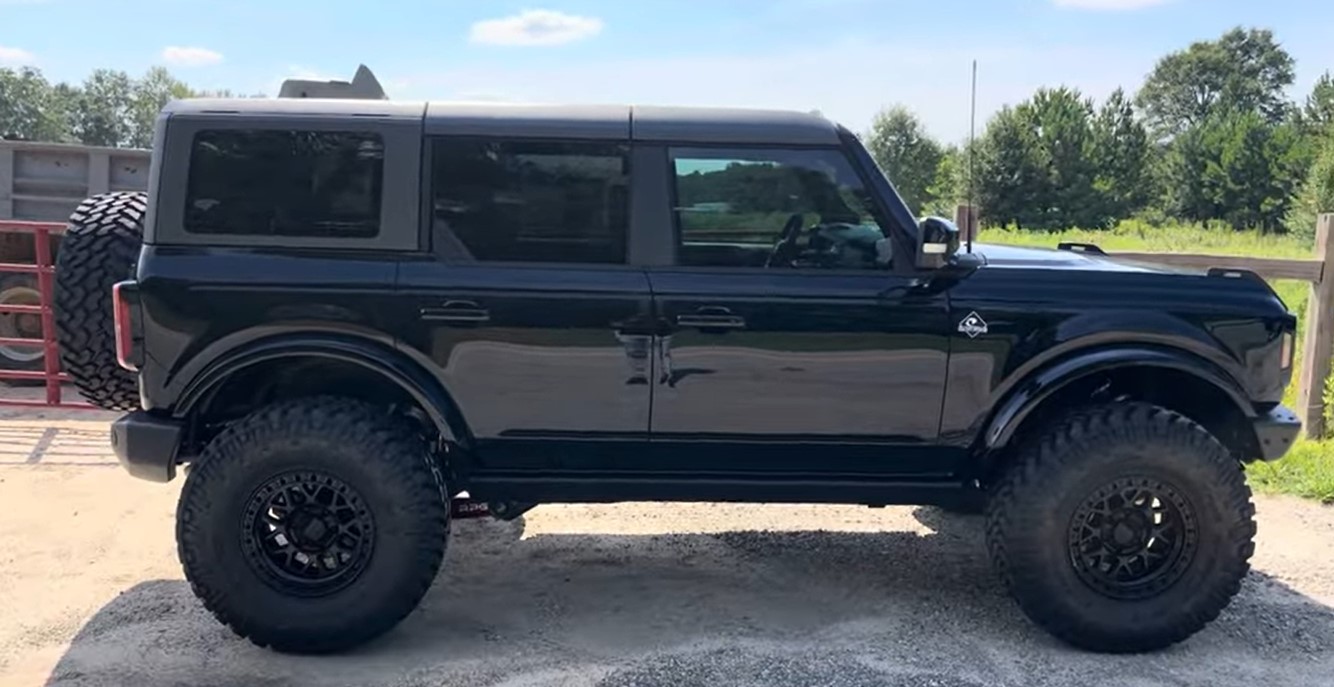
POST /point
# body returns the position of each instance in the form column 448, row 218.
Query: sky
column 845, row 58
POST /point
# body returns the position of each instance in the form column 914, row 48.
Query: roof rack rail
column 363, row 86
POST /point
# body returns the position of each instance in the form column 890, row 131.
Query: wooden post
column 1318, row 348
column 965, row 218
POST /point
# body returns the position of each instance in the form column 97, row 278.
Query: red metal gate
column 44, row 267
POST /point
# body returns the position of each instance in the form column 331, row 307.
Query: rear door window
column 531, row 201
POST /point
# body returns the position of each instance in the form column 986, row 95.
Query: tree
column 103, row 114
column 1121, row 158
column 1318, row 114
column 1236, row 167
column 907, row 155
column 1317, row 195
column 1244, row 71
column 1011, row 169
column 31, row 109
column 1037, row 164
column 148, row 96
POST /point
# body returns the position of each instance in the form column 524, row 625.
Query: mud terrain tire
column 268, row 493
column 1122, row 528
column 100, row 247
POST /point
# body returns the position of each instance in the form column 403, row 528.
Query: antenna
column 971, row 215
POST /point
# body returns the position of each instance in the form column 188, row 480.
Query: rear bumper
column 146, row 445
column 1276, row 431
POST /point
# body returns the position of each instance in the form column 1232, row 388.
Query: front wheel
column 1123, row 528
column 313, row 525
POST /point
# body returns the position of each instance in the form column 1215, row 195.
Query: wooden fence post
column 1319, row 342
column 965, row 218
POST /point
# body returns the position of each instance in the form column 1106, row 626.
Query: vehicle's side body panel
column 558, row 353
column 198, row 303
column 839, row 360
column 1037, row 315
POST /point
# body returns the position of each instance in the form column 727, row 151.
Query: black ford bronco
column 344, row 314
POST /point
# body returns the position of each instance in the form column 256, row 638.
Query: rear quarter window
column 285, row 183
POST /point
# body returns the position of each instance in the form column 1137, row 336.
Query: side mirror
column 940, row 241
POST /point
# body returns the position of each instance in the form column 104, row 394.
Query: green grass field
column 1308, row 470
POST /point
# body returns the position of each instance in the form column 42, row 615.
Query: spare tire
column 100, row 247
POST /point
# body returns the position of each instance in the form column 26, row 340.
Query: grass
column 1308, row 469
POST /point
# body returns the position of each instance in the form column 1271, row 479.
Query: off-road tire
column 100, row 247
column 382, row 457
column 1030, row 516
column 19, row 289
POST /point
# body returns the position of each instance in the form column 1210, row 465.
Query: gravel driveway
column 637, row 594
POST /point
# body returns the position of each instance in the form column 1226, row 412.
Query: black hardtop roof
column 645, row 122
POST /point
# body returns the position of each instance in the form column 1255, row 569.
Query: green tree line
column 110, row 108
column 1210, row 136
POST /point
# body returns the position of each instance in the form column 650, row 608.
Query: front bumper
column 146, row 445
column 1276, row 431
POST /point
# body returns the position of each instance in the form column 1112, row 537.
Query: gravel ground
column 636, row 594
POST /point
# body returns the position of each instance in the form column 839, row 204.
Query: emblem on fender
column 973, row 325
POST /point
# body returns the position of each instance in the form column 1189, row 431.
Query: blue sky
column 846, row 58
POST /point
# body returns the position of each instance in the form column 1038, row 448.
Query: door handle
column 464, row 312
column 712, row 319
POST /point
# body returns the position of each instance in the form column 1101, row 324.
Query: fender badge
column 973, row 325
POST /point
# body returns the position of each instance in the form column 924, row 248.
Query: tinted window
column 774, row 208
column 532, row 201
column 285, row 183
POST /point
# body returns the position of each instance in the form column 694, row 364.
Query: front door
column 788, row 333
column 527, row 305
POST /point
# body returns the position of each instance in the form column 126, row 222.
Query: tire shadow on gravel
column 740, row 607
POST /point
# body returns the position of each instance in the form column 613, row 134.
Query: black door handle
column 463, row 312
column 712, row 319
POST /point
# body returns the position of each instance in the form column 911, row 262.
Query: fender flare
column 1048, row 380
column 391, row 363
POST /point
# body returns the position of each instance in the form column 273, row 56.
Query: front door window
column 774, row 208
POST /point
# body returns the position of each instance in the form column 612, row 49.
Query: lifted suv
column 345, row 313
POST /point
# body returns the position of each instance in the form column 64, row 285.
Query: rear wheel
column 99, row 249
column 20, row 290
column 313, row 525
column 1124, row 528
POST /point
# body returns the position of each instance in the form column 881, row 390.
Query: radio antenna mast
column 971, row 213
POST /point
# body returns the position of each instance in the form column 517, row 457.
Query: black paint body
column 652, row 381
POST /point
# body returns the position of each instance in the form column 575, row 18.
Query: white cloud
column 1113, row 5
column 535, row 27
column 15, row 57
column 190, row 57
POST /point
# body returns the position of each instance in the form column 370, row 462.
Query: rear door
column 791, row 342
column 527, row 303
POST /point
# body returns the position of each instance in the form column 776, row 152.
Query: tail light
column 123, row 300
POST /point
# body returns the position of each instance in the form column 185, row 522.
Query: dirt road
column 641, row 594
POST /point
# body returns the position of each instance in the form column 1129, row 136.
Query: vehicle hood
column 1049, row 258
